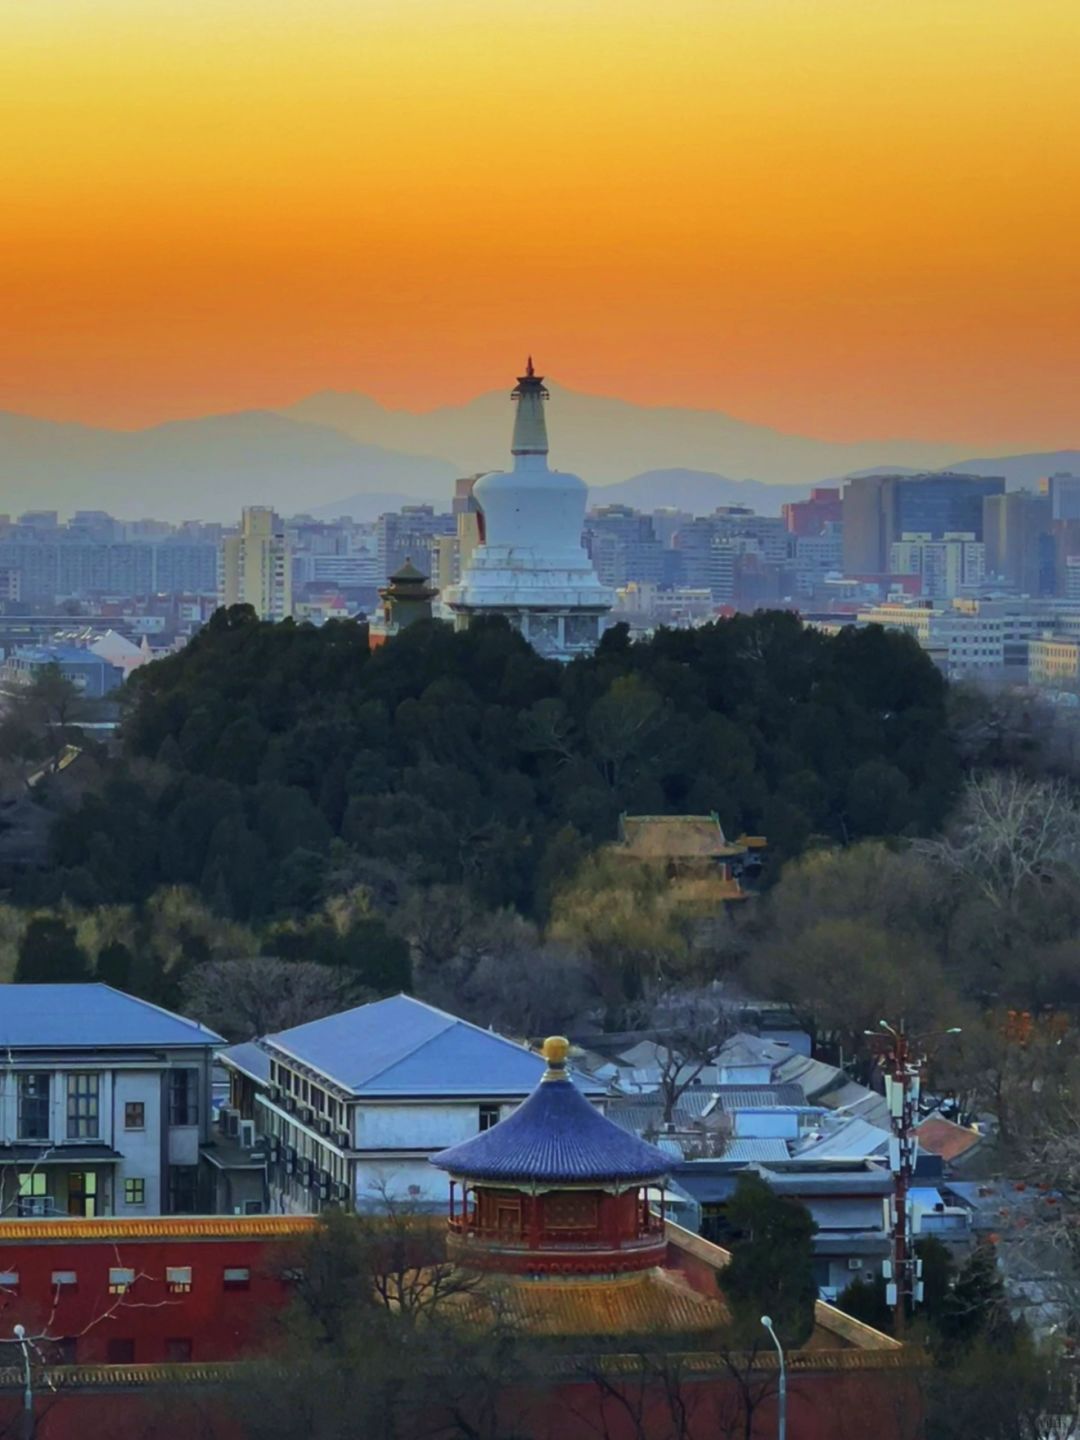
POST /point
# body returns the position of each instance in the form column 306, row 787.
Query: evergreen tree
column 114, row 966
column 772, row 1264
column 50, row 954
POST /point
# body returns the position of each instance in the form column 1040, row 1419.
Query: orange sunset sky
column 846, row 218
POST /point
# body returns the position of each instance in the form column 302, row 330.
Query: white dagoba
column 530, row 564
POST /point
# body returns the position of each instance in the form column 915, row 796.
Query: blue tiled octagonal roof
column 556, row 1136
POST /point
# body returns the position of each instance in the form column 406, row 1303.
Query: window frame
column 84, row 1105
column 129, row 1107
column 35, row 1101
column 184, row 1095
column 130, row 1182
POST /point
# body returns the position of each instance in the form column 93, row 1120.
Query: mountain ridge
column 209, row 467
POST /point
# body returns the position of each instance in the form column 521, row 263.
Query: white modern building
column 104, row 1104
column 353, row 1105
column 530, row 564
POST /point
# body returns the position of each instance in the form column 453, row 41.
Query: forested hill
column 265, row 762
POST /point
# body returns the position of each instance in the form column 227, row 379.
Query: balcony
column 648, row 1234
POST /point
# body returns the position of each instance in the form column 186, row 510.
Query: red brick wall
column 221, row 1322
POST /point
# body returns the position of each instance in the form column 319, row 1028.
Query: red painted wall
column 842, row 1406
column 221, row 1322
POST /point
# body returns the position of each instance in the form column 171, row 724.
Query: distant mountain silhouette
column 346, row 445
column 697, row 491
column 1023, row 470
column 605, row 440
column 203, row 469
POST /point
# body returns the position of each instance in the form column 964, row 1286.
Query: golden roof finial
column 555, row 1050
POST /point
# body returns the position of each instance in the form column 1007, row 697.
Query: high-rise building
column 948, row 566
column 1063, row 491
column 1019, row 544
column 809, row 517
column 879, row 510
column 256, row 565
column 623, row 545
column 530, row 565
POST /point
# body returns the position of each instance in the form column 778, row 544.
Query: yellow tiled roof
column 651, row 1302
column 160, row 1227
column 664, row 837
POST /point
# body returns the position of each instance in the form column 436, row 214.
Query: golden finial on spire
column 555, row 1050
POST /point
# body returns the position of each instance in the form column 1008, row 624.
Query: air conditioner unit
column 35, row 1205
column 854, row 1263
column 247, row 1134
column 307, row 1115
column 324, row 1126
column 290, row 1104
column 227, row 1118
column 290, row 1160
column 344, row 1139
column 324, row 1184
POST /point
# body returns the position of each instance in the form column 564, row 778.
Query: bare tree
column 258, row 995
column 1010, row 832
column 692, row 1026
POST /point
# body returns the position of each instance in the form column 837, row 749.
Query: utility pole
column 903, row 1078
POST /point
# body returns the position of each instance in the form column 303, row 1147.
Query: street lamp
column 28, row 1384
column 781, row 1425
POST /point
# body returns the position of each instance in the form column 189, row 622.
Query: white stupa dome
column 531, row 558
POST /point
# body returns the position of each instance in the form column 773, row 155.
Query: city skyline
column 840, row 220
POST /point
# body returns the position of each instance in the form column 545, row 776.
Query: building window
column 34, row 1106
column 134, row 1115
column 183, row 1189
column 178, row 1350
column 33, row 1198
column 183, row 1097
column 83, row 1097
column 120, row 1280
column 120, row 1351
column 489, row 1116
column 178, row 1278
column 236, row 1277
column 135, row 1192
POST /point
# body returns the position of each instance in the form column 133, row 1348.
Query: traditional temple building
column 530, row 564
column 702, row 864
column 406, row 599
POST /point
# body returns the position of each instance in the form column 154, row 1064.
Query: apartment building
column 104, row 1104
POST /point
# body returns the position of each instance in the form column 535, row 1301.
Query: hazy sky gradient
column 847, row 218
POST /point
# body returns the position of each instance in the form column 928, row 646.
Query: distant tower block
column 530, row 564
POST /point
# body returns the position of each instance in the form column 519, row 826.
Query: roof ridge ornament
column 555, row 1049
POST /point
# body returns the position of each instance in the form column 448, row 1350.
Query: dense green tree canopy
column 259, row 751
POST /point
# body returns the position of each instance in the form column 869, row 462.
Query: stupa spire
column 530, row 427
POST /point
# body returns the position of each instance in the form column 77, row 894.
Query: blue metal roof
column 249, row 1057
column 401, row 1046
column 88, row 1017
column 556, row 1136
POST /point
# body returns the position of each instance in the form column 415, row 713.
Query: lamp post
column 27, row 1431
column 781, row 1422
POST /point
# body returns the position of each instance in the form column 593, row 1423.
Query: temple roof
column 556, row 1136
